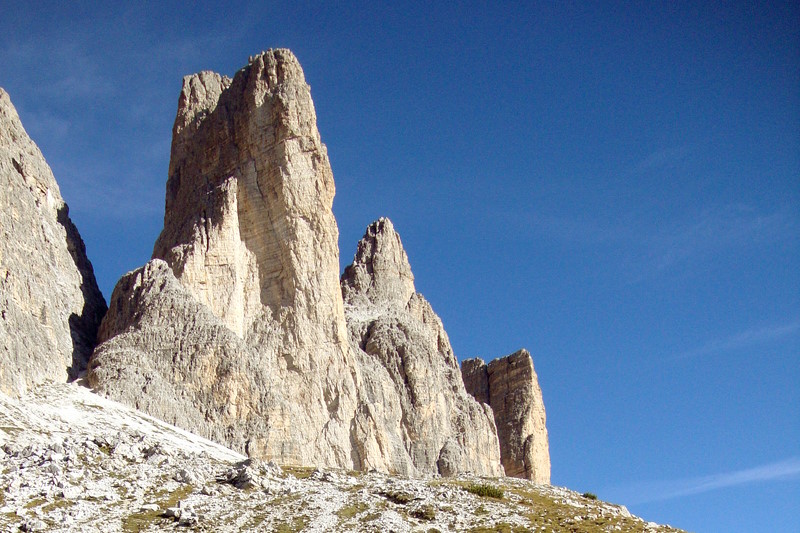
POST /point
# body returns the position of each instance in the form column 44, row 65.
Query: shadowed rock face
column 510, row 386
column 236, row 328
column 50, row 305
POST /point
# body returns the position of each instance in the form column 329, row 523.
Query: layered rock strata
column 509, row 385
column 50, row 305
column 236, row 328
column 414, row 400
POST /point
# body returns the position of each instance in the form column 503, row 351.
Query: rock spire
column 236, row 327
column 413, row 396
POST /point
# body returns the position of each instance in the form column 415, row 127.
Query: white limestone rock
column 236, row 328
column 50, row 305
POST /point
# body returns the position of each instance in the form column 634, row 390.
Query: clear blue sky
column 615, row 186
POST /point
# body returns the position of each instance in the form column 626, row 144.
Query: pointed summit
column 242, row 293
column 380, row 273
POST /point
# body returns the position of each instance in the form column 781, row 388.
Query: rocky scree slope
column 75, row 461
column 236, row 329
column 50, row 305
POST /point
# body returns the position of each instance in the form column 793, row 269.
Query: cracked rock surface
column 414, row 400
column 510, row 387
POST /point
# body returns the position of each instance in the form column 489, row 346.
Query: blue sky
column 615, row 186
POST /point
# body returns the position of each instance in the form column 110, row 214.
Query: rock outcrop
column 236, row 328
column 414, row 399
column 50, row 305
column 509, row 385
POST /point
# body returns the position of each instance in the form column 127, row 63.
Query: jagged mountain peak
column 380, row 272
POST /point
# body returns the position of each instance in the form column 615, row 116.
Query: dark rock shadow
column 83, row 328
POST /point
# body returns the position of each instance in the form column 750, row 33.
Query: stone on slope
column 236, row 328
column 50, row 305
column 509, row 385
column 414, row 399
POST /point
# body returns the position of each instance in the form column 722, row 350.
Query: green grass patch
column 300, row 472
column 553, row 515
column 425, row 512
column 485, row 490
column 349, row 511
column 501, row 527
column 142, row 520
column 36, row 502
column 297, row 524
column 398, row 497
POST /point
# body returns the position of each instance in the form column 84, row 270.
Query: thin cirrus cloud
column 638, row 493
column 743, row 339
column 664, row 157
column 712, row 231
column 648, row 251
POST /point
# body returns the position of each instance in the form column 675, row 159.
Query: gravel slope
column 74, row 461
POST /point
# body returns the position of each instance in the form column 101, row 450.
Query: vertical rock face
column 243, row 336
column 248, row 222
column 510, row 386
column 414, row 400
column 50, row 305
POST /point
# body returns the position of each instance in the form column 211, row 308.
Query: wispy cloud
column 636, row 493
column 645, row 250
column 744, row 339
column 662, row 158
column 709, row 232
column 73, row 70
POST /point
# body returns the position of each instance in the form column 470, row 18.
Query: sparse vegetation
column 398, row 497
column 300, row 472
column 502, row 527
column 142, row 521
column 349, row 511
column 297, row 524
column 485, row 490
column 424, row 512
column 589, row 495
